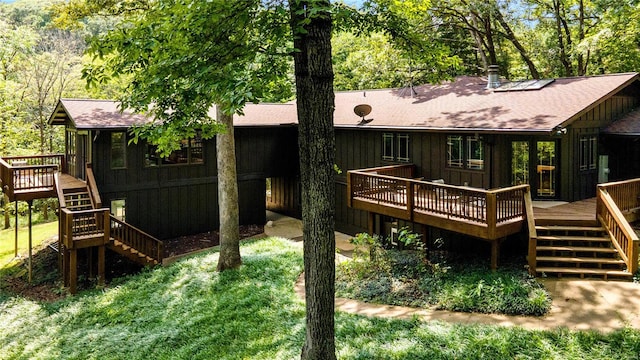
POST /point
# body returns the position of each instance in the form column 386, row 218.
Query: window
column 118, row 150
column 118, row 209
column 395, row 147
column 403, row 147
column 475, row 154
column 190, row 152
column 465, row 152
column 387, row 146
column 588, row 152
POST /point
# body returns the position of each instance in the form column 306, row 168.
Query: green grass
column 189, row 311
column 40, row 233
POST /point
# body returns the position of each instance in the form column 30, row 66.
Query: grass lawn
column 189, row 311
column 40, row 233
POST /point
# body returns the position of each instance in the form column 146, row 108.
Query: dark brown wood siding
column 581, row 184
column 175, row 200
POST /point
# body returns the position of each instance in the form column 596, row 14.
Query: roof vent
column 493, row 77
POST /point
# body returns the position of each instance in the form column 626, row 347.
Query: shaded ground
column 47, row 284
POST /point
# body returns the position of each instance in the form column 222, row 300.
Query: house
column 489, row 146
column 555, row 135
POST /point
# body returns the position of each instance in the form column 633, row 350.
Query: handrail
column 59, row 192
column 137, row 239
column 626, row 194
column 83, row 223
column 623, row 237
column 484, row 207
column 24, row 173
column 92, row 187
column 403, row 171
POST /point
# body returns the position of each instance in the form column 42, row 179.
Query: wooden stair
column 131, row 253
column 568, row 249
column 78, row 200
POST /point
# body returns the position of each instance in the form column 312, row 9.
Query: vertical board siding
column 170, row 201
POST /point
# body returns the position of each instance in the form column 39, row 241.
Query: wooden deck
column 582, row 213
column 486, row 214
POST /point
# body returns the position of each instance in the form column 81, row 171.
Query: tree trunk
column 514, row 40
column 227, row 195
column 7, row 219
column 315, row 105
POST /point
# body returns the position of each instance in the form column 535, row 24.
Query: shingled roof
column 463, row 105
column 94, row 114
column 627, row 126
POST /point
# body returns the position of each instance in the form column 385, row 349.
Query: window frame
column 387, row 147
column 123, row 149
column 396, row 147
column 187, row 157
column 113, row 207
column 588, row 153
column 465, row 146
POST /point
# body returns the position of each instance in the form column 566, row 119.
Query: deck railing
column 96, row 201
column 626, row 194
column 624, row 238
column 29, row 173
column 407, row 198
column 137, row 239
column 84, row 225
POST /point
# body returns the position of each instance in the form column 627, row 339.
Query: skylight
column 524, row 85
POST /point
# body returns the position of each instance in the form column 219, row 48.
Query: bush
column 406, row 277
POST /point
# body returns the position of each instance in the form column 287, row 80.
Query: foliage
column 188, row 311
column 40, row 233
column 409, row 279
column 183, row 57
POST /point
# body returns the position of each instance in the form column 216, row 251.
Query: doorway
column 535, row 162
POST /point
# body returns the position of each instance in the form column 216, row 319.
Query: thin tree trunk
column 227, row 196
column 315, row 105
column 566, row 64
column 516, row 43
column 7, row 218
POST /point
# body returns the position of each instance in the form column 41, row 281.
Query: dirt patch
column 47, row 285
column 189, row 243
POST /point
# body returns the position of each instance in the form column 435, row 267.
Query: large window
column 465, row 152
column 190, row 152
column 118, row 150
column 588, row 153
column 395, row 147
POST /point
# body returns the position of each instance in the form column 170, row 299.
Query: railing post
column 634, row 248
column 492, row 214
column 409, row 190
column 533, row 235
column 599, row 190
column 349, row 193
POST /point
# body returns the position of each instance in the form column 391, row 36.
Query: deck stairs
column 577, row 249
column 79, row 199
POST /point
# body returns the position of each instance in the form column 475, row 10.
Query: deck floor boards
column 579, row 210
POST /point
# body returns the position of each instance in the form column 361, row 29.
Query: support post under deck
column 30, row 202
column 16, row 232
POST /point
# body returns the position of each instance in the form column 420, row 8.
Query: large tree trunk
column 315, row 104
column 227, row 195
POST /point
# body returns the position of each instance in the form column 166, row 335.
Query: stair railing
column 84, row 225
column 624, row 238
column 533, row 235
column 92, row 187
column 137, row 239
